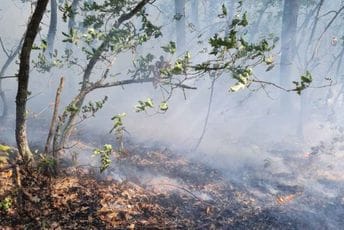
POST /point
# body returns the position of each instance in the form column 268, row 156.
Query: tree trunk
column 288, row 41
column 71, row 20
column 23, row 80
column 52, row 28
column 54, row 118
column 194, row 13
column 8, row 62
column 180, row 25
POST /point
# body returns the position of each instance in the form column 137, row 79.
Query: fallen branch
column 188, row 191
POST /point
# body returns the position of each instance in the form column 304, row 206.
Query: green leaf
column 268, row 60
column 169, row 48
column 118, row 121
column 163, row 106
column 224, row 10
column 5, row 148
column 238, row 86
column 149, row 103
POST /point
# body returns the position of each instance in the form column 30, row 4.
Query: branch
column 6, row 77
column 187, row 191
column 99, row 84
column 3, row 48
column 180, row 85
column 207, row 114
column 127, row 16
column 105, row 43
column 272, row 84
column 325, row 30
column 289, row 90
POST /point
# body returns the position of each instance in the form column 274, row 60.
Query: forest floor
column 155, row 189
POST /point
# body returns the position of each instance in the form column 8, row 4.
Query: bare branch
column 3, row 48
column 99, row 84
column 7, row 77
column 325, row 30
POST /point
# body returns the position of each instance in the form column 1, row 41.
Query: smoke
column 258, row 145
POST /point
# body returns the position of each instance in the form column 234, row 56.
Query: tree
column 122, row 36
column 288, row 41
column 23, row 80
column 10, row 58
column 194, row 13
column 180, row 24
column 52, row 28
column 99, row 45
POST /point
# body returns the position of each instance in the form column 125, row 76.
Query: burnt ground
column 156, row 189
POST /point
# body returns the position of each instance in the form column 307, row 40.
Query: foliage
column 305, row 81
column 119, row 129
column 232, row 53
column 47, row 165
column 170, row 48
column 118, row 121
column 163, row 106
column 144, row 105
column 93, row 107
column 110, row 28
column 105, row 156
column 6, row 204
column 5, row 148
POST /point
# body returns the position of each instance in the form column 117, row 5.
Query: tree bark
column 54, row 117
column 23, row 80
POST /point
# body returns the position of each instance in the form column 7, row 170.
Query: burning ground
column 157, row 189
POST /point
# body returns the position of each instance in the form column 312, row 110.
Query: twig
column 63, row 148
column 188, row 191
column 6, row 77
column 323, row 33
column 273, row 84
column 208, row 113
column 3, row 48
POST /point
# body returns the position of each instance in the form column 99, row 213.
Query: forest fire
column 151, row 114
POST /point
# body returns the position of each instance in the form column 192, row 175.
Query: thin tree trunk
column 71, row 21
column 52, row 28
column 54, row 117
column 194, row 13
column 68, row 119
column 8, row 62
column 180, row 25
column 288, row 40
column 23, row 80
